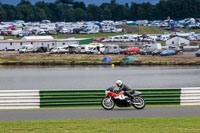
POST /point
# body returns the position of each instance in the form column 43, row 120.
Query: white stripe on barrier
column 19, row 99
column 18, row 95
column 18, row 107
column 190, row 100
column 190, row 88
column 32, row 97
column 18, row 91
column 19, row 104
column 192, row 103
column 190, row 96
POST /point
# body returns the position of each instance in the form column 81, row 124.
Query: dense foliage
column 70, row 10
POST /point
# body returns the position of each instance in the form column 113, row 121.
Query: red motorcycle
column 121, row 100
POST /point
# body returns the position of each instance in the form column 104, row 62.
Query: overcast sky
column 97, row 2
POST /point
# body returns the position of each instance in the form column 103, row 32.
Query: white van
column 26, row 49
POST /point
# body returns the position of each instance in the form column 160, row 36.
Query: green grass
column 96, row 35
column 191, row 30
column 2, row 60
column 150, row 30
column 12, row 37
column 131, row 125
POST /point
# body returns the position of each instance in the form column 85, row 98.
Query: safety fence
column 58, row 98
column 16, row 99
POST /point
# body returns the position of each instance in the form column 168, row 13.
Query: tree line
column 70, row 11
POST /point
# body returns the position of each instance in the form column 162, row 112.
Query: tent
column 106, row 59
column 129, row 59
column 13, row 27
column 19, row 26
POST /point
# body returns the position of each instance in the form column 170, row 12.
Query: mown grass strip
column 2, row 59
column 136, row 125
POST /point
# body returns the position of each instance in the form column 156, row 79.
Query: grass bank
column 136, row 125
column 90, row 59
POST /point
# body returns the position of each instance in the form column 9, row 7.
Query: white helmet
column 119, row 83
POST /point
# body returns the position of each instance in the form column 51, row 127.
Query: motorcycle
column 121, row 100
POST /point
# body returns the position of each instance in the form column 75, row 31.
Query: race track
column 63, row 114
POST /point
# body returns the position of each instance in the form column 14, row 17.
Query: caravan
column 87, row 49
column 149, row 48
column 112, row 49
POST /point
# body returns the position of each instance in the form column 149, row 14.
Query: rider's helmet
column 119, row 83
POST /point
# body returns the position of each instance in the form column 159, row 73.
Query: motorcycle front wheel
column 107, row 103
column 139, row 102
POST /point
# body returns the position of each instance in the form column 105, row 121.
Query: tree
column 79, row 14
column 107, row 14
column 79, row 5
column 24, row 2
column 2, row 14
column 65, row 2
column 27, row 12
column 10, row 12
column 133, row 11
column 113, row 2
column 94, row 13
column 40, row 14
column 71, row 10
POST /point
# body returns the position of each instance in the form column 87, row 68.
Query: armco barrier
column 190, row 96
column 59, row 98
column 17, row 99
column 167, row 96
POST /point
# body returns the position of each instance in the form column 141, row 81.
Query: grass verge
column 136, row 125
column 2, row 60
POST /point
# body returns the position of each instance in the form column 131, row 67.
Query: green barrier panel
column 70, row 98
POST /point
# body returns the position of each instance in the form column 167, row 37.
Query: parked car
column 58, row 50
column 39, row 50
column 145, row 52
column 132, row 50
column 168, row 52
column 198, row 53
column 157, row 52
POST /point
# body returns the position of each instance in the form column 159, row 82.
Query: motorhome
column 87, row 49
column 149, row 48
column 152, row 46
column 112, row 49
column 99, row 48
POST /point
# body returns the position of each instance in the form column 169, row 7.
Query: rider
column 122, row 87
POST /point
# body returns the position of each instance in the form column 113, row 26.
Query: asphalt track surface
column 64, row 114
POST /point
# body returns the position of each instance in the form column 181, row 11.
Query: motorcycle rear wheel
column 141, row 101
column 107, row 103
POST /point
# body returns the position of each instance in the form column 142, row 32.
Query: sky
column 97, row 2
